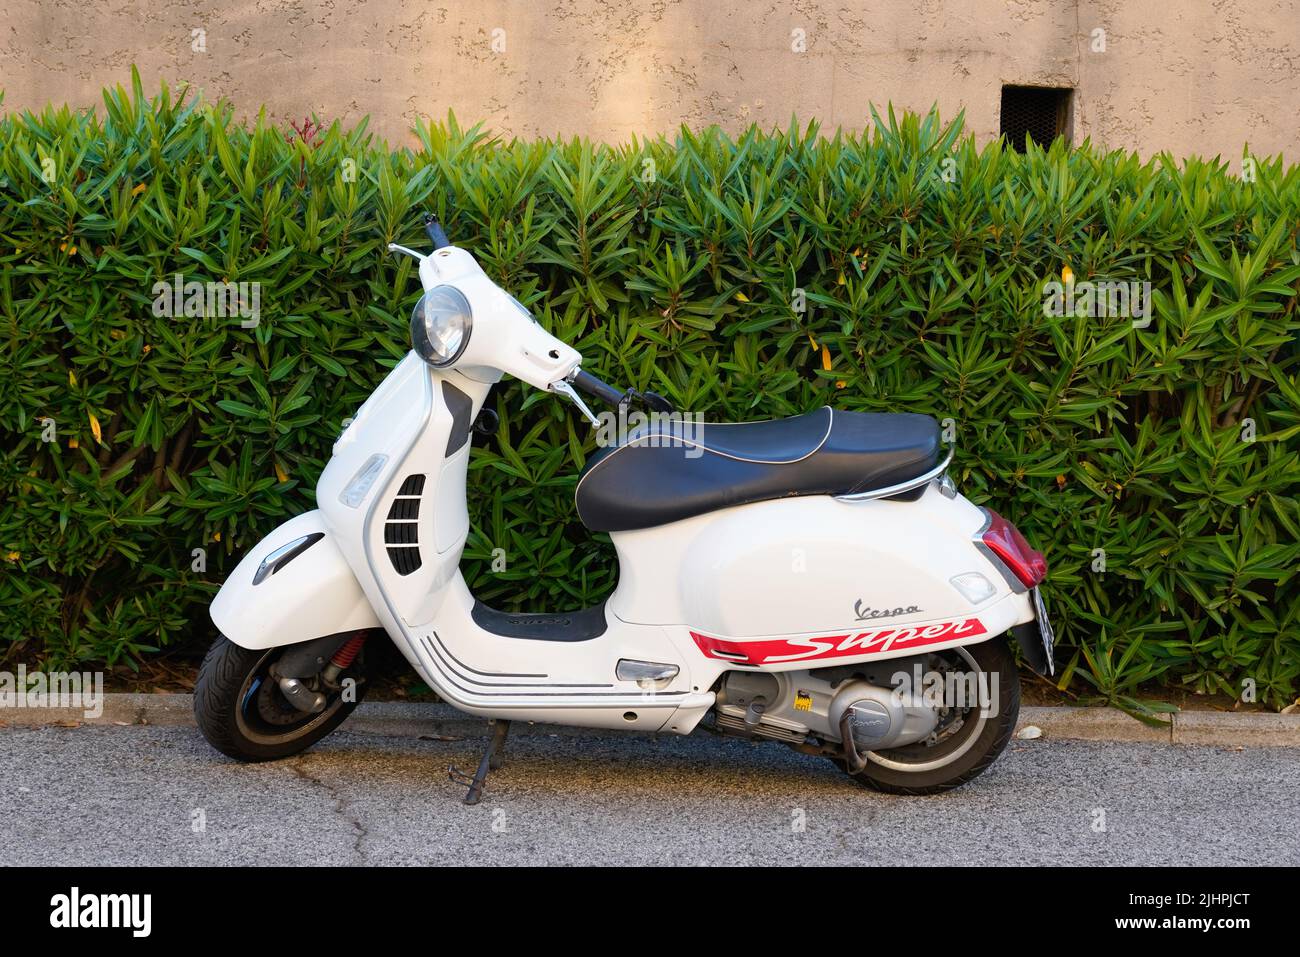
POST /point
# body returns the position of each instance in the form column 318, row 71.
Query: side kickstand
column 492, row 759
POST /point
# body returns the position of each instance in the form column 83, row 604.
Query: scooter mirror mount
column 433, row 229
column 435, row 232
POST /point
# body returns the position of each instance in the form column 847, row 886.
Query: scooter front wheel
column 969, row 741
column 242, row 713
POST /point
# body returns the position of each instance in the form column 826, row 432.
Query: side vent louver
column 401, row 530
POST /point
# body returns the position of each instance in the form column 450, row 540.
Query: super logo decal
column 770, row 651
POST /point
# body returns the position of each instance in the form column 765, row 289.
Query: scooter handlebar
column 588, row 383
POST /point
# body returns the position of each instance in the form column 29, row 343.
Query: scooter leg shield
column 295, row 585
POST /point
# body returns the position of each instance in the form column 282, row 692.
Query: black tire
column 230, row 713
column 993, row 657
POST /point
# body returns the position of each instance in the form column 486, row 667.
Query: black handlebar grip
column 588, row 383
column 436, row 234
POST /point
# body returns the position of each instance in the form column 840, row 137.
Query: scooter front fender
column 293, row 586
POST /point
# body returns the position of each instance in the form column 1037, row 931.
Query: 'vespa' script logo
column 866, row 613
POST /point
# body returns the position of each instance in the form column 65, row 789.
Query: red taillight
column 1005, row 541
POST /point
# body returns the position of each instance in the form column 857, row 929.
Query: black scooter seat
column 677, row 469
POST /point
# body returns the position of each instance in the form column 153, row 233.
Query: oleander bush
column 1153, row 460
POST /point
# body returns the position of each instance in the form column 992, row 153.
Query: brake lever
column 564, row 388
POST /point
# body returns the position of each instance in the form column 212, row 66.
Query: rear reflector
column 1005, row 541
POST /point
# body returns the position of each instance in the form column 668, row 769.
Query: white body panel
column 315, row 594
column 801, row 565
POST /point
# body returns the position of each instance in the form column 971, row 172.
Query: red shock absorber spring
column 348, row 653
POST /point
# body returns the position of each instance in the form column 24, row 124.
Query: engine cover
column 792, row 705
column 881, row 718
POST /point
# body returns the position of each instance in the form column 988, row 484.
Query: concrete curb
column 401, row 719
column 1093, row 724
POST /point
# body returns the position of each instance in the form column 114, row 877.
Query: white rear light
column 974, row 586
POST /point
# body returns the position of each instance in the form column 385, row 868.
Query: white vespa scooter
column 815, row 580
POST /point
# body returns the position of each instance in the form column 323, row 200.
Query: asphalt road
column 147, row 795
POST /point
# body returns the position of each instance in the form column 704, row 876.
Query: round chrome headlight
column 440, row 325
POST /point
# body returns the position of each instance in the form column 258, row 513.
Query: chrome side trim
column 901, row 487
column 283, row 555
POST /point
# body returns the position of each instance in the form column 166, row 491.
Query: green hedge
column 670, row 264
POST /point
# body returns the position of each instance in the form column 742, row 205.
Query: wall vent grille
column 1042, row 113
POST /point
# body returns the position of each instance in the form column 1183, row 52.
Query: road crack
column 342, row 808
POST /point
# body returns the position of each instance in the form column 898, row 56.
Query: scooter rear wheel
column 241, row 712
column 933, row 767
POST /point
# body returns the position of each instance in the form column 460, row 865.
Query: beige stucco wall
column 1188, row 76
